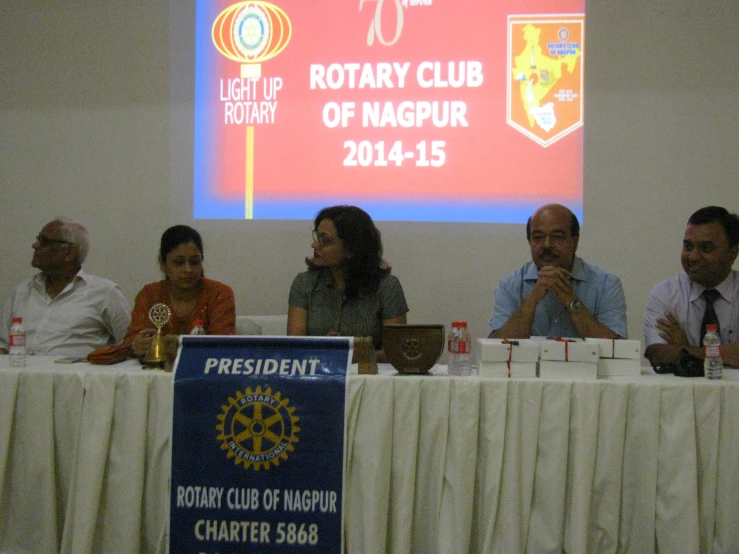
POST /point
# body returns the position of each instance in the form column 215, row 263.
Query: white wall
column 84, row 132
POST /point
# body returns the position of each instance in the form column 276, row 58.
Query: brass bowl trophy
column 159, row 315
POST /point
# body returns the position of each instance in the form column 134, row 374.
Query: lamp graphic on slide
column 250, row 33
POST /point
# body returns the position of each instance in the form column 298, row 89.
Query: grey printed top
column 329, row 310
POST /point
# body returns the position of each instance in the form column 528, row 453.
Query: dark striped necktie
column 709, row 315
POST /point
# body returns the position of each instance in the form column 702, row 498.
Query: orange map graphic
column 545, row 85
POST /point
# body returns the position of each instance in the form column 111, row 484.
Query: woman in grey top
column 348, row 289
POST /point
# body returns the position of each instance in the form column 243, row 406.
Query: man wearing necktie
column 707, row 292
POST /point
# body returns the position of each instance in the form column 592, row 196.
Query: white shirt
column 89, row 313
column 682, row 297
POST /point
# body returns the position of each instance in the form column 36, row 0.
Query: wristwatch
column 574, row 306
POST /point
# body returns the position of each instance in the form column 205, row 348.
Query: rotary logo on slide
column 257, row 428
column 545, row 84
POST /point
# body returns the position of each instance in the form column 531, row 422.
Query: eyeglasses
column 44, row 241
column 322, row 239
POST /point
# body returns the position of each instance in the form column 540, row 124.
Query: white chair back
column 261, row 325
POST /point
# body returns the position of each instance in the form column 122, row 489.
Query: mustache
column 548, row 252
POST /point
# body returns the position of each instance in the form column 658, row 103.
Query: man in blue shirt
column 558, row 294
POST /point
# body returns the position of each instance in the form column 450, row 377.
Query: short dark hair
column 574, row 226
column 364, row 269
column 717, row 214
column 179, row 234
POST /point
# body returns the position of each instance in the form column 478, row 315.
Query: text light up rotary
column 250, row 33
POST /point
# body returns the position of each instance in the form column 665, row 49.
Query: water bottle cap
column 459, row 324
column 711, row 327
column 17, row 320
column 198, row 323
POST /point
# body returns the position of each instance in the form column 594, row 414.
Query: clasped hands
column 555, row 280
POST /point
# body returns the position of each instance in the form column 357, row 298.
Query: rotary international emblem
column 258, row 428
column 251, row 31
column 412, row 349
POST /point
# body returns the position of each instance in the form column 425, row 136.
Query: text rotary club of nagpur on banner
column 497, row 109
column 258, row 444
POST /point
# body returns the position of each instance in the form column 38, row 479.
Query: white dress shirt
column 683, row 298
column 89, row 313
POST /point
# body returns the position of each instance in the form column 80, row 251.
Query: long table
column 434, row 464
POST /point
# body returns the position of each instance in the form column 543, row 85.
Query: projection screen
column 415, row 110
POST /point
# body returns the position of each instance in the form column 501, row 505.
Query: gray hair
column 76, row 234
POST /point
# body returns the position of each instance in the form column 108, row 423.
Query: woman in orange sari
column 188, row 294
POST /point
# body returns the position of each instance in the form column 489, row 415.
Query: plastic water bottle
column 17, row 343
column 713, row 365
column 460, row 345
column 197, row 328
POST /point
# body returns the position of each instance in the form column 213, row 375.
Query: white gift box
column 517, row 350
column 550, row 369
column 567, row 351
column 618, row 348
column 500, row 369
column 608, row 367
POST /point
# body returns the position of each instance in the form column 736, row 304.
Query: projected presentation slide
column 415, row 110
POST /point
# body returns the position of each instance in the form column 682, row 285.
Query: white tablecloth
column 84, row 458
column 434, row 464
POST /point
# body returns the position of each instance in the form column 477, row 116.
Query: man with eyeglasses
column 65, row 311
column 557, row 293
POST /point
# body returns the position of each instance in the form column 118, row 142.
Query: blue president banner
column 258, row 444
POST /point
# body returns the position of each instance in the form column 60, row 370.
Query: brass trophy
column 159, row 315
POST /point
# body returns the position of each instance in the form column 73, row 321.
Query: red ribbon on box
column 613, row 346
column 510, row 353
column 566, row 341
